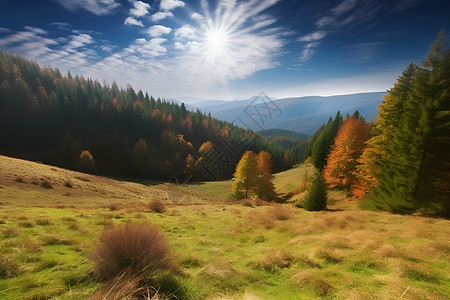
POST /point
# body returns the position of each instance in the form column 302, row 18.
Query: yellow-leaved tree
column 253, row 176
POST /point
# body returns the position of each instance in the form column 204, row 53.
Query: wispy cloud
column 308, row 51
column 347, row 14
column 168, row 5
column 158, row 30
column 62, row 25
column 363, row 52
column 3, row 30
column 405, row 4
column 315, row 36
column 97, row 7
column 161, row 15
column 34, row 43
column 139, row 9
column 133, row 21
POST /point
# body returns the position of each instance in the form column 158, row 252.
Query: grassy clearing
column 225, row 251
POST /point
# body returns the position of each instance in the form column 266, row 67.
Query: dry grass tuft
column 55, row 239
column 138, row 247
column 27, row 223
column 8, row 267
column 31, row 245
column 274, row 260
column 42, row 221
column 328, row 256
column 280, row 212
column 10, row 232
column 419, row 273
column 157, row 206
column 315, row 282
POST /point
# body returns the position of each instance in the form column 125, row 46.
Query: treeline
column 82, row 124
column 401, row 163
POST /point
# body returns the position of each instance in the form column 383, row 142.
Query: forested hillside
column 82, row 124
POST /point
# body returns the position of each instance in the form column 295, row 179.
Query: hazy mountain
column 302, row 114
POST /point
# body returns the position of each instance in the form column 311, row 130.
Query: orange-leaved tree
column 264, row 185
column 340, row 170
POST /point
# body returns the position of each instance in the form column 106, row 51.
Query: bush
column 157, row 205
column 317, row 195
column 46, row 184
column 139, row 248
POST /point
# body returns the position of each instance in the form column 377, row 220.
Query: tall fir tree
column 320, row 148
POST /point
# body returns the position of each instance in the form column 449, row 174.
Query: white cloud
column 150, row 49
column 161, row 16
column 197, row 16
column 78, row 41
column 308, row 51
column 3, row 30
column 133, row 21
column 315, row 36
column 158, row 30
column 168, row 5
column 139, row 9
column 185, row 33
column 97, row 7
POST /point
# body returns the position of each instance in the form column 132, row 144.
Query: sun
column 217, row 40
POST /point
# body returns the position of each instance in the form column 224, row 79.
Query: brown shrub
column 157, row 205
column 68, row 184
column 138, row 247
column 46, row 184
column 19, row 179
column 114, row 206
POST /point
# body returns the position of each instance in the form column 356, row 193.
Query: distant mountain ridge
column 300, row 114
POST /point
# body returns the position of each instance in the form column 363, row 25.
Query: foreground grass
column 226, row 251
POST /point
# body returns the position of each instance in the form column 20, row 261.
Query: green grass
column 225, row 250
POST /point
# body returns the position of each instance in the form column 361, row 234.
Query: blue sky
column 227, row 49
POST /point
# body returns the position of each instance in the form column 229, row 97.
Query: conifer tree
column 316, row 199
column 321, row 146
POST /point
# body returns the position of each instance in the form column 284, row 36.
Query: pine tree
column 322, row 145
column 316, row 199
column 246, row 176
column 340, row 169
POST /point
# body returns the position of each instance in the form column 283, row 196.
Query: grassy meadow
column 51, row 218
